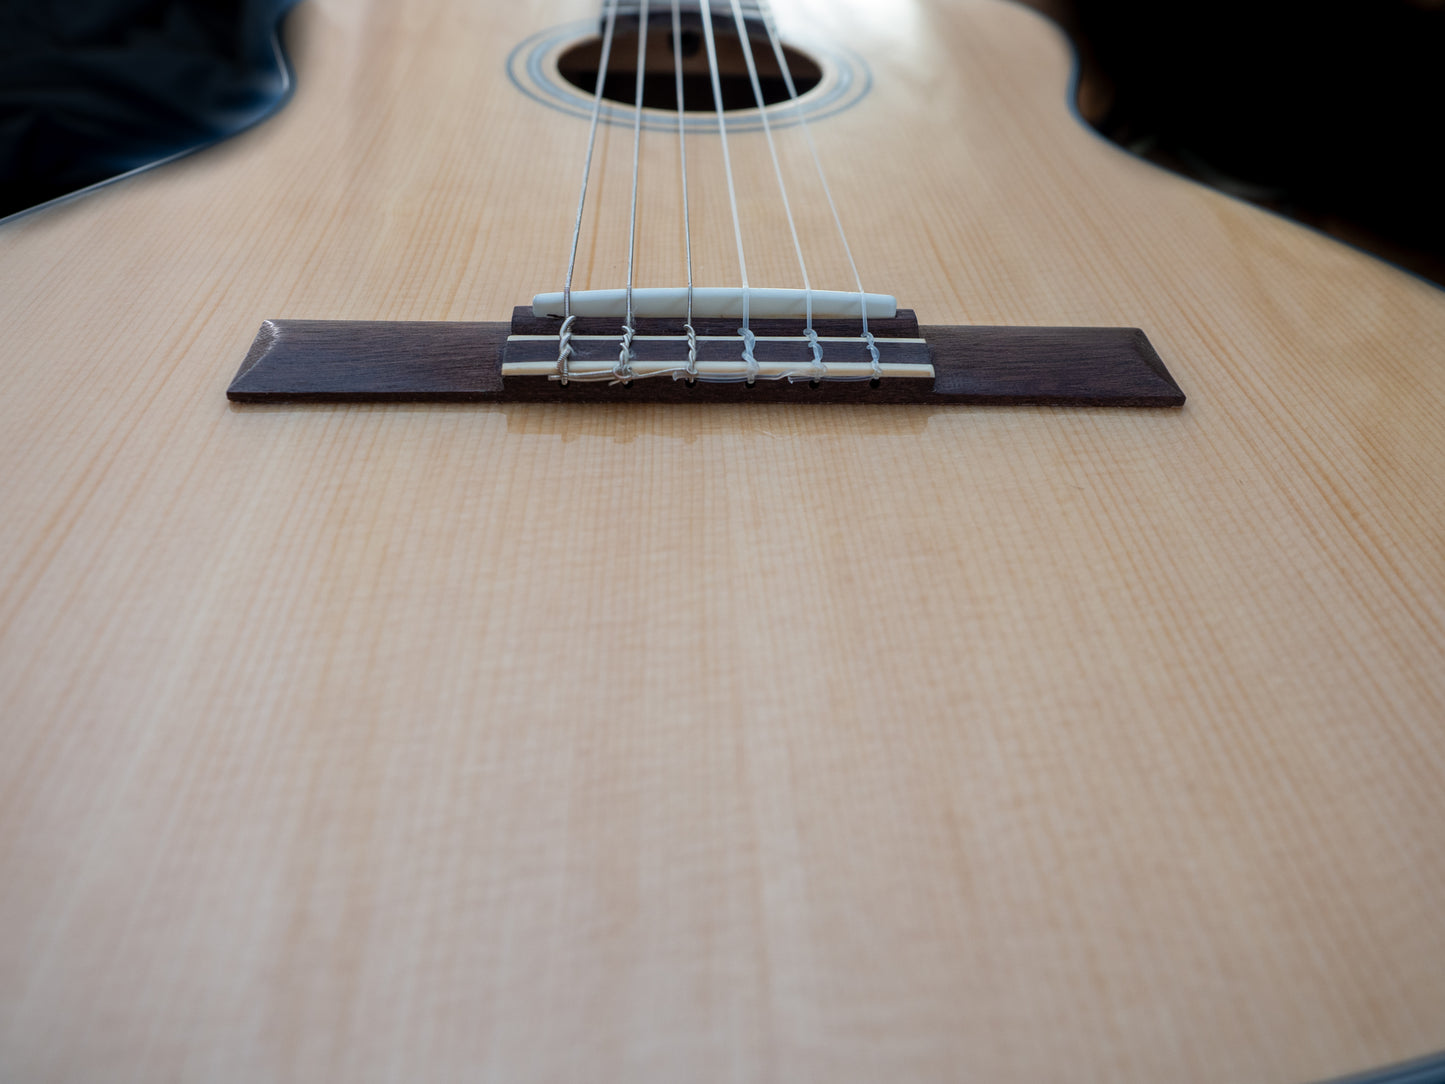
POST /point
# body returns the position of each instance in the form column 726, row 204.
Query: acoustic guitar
column 747, row 739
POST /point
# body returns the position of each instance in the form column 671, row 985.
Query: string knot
column 873, row 353
column 622, row 371
column 820, row 370
column 749, row 341
column 564, row 348
column 691, row 351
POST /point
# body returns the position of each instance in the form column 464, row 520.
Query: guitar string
column 749, row 339
column 623, row 371
column 682, row 153
column 767, row 16
column 819, row 370
column 564, row 337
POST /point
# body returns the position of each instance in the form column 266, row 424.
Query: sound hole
column 578, row 65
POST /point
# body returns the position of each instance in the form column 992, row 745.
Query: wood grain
column 371, row 361
column 530, row 742
column 409, row 361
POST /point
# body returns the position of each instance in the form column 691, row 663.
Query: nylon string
column 564, row 339
column 682, row 153
column 624, row 359
column 722, row 127
column 766, row 11
column 622, row 371
column 819, row 369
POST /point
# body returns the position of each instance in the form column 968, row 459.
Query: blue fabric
column 1428, row 1070
column 92, row 89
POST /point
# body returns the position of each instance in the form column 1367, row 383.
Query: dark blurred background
column 1329, row 112
column 90, row 89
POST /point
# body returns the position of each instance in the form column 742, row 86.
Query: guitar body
column 538, row 742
